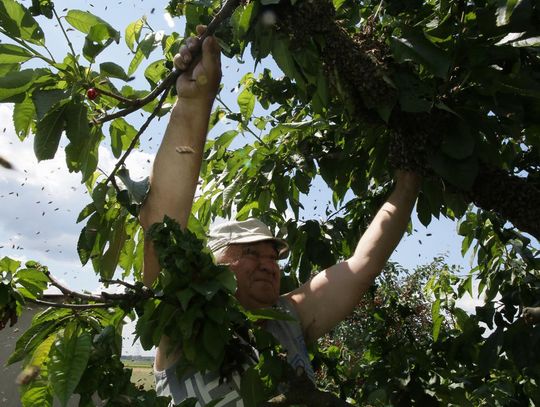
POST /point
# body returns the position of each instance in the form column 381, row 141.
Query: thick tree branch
column 302, row 391
column 512, row 197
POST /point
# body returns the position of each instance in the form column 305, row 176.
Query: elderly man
column 249, row 247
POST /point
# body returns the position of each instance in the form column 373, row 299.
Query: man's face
column 257, row 273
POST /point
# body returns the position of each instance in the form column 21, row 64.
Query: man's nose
column 268, row 265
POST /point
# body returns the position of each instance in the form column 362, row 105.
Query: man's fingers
column 193, row 44
column 183, row 58
column 211, row 55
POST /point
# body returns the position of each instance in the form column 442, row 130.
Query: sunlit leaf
column 17, row 21
column 24, row 114
column 15, row 83
column 48, row 132
column 86, row 22
column 69, row 358
column 133, row 33
column 10, row 53
column 112, row 70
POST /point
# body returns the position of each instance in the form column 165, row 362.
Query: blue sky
column 40, row 202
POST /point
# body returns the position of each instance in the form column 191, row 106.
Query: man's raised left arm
column 330, row 296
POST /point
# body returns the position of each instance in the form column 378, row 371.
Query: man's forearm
column 388, row 226
column 175, row 172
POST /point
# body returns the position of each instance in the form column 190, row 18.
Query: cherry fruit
column 92, row 93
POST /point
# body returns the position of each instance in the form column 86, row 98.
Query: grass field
column 143, row 372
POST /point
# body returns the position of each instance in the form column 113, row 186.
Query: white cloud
column 41, row 201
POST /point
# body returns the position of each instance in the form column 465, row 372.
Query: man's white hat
column 248, row 231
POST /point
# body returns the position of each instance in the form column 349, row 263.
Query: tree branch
column 70, row 293
column 302, row 391
column 514, row 198
column 70, row 306
column 136, row 138
column 131, row 102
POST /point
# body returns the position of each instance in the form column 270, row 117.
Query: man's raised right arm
column 178, row 161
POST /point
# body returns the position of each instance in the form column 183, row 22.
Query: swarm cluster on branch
column 362, row 62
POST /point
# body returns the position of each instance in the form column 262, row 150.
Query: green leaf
column 24, row 114
column 36, row 334
column 37, row 395
column 122, row 134
column 17, row 21
column 184, row 297
column 133, row 33
column 112, row 70
column 135, row 62
column 48, row 132
column 77, row 127
column 246, row 101
column 246, row 17
column 110, row 259
column 99, row 196
column 9, row 265
column 527, row 42
column 414, row 46
column 15, row 83
column 44, row 100
column 282, row 55
column 156, row 72
column 415, row 95
column 7, row 68
column 252, row 388
column 69, row 358
column 505, row 10
column 437, row 327
column 435, row 309
column 97, row 29
column 460, row 173
column 228, row 280
column 82, row 150
column 10, row 54
column 41, row 353
column 423, row 210
column 458, row 142
column 213, row 339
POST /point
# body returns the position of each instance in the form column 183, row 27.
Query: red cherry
column 92, row 93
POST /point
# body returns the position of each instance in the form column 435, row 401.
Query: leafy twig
column 119, row 282
column 136, row 138
column 224, row 13
column 244, row 127
column 65, row 35
column 70, row 293
column 70, row 306
column 131, row 102
column 29, row 48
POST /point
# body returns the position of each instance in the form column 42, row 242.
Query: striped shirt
column 206, row 387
